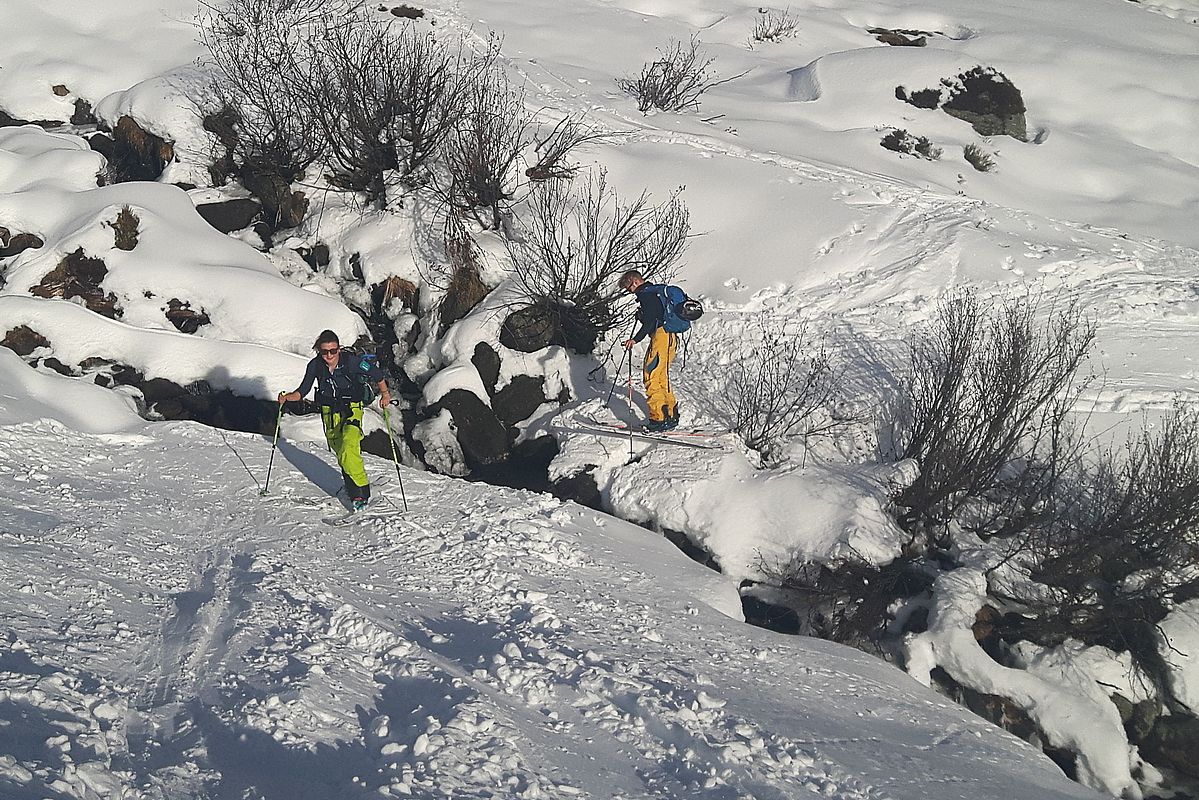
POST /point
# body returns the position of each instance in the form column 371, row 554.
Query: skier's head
column 327, row 344
column 631, row 281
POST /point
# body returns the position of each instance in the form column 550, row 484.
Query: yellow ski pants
column 656, row 371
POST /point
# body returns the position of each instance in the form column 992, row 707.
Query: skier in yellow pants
column 659, row 397
column 339, row 392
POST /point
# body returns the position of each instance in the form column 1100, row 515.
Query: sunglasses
column 329, row 352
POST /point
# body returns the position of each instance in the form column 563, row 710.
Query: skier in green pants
column 340, row 386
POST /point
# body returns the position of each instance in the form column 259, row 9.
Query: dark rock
column 982, row 96
column 986, row 99
column 999, row 711
column 53, row 363
column 1123, row 706
column 530, row 329
column 11, row 244
column 487, row 362
column 124, row 375
column 281, row 207
column 8, row 121
column 517, row 401
column 317, row 256
column 901, row 38
column 78, row 275
column 23, row 340
column 230, row 215
column 770, row 616
column 83, row 113
column 581, row 488
column 265, row 233
column 181, row 315
column 1174, row 742
column 407, row 12
column 60, row 90
column 483, row 438
column 1145, row 715
column 526, row 467
column 223, row 125
column 137, row 154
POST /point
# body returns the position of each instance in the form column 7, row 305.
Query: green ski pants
column 343, row 432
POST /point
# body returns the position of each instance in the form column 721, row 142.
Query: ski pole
column 631, row 407
column 612, row 389
column 394, row 455
column 274, row 444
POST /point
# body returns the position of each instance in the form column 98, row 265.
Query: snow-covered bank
column 173, row 635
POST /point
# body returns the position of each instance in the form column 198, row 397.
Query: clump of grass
column 773, row 26
column 980, row 159
column 900, row 141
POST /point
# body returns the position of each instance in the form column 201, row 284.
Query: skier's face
column 330, row 353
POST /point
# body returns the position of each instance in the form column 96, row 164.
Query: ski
column 663, row 438
column 698, row 433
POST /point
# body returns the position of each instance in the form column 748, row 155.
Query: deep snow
column 188, row 641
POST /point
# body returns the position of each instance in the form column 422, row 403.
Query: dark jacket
column 651, row 312
column 335, row 389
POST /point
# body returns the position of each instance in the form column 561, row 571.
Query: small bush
column 979, row 158
column 674, row 82
column 781, row 388
column 901, row 141
column 773, row 26
column 989, row 389
column 125, row 229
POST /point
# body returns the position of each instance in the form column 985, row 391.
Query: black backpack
column 367, row 373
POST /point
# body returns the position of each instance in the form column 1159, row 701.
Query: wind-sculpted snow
column 171, row 634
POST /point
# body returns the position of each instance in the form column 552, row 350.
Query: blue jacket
column 651, row 312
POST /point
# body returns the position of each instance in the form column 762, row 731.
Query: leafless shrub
column 575, row 239
column 783, row 387
column 482, row 154
column 384, row 96
column 978, row 158
column 773, row 26
column 1123, row 545
column 674, row 82
column 553, row 148
column 254, row 46
column 989, row 392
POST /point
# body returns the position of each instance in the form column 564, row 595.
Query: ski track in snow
column 194, row 640
column 1136, row 287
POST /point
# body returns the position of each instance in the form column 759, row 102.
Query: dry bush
column 486, row 146
column 987, row 400
column 783, row 387
column 1122, row 544
column 255, row 46
column 384, row 96
column 673, row 82
column 576, row 239
column 773, row 26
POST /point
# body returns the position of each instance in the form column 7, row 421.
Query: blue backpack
column 679, row 310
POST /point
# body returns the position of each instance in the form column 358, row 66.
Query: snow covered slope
column 169, row 634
